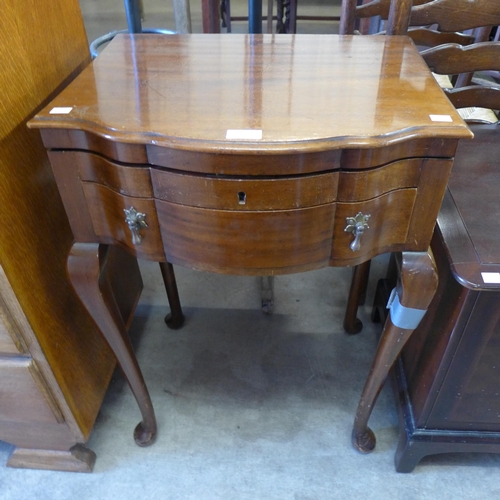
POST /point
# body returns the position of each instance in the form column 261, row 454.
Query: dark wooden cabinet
column 449, row 377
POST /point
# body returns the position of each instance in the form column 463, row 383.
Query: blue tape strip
column 401, row 316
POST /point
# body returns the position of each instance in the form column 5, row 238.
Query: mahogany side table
column 257, row 155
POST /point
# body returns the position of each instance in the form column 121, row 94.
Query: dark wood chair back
column 453, row 59
column 450, row 17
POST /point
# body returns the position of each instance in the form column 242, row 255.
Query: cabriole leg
column 416, row 287
column 175, row 319
column 85, row 263
column 359, row 283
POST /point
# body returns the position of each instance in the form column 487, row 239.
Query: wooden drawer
column 130, row 180
column 24, row 395
column 247, row 242
column 106, row 208
column 388, row 226
column 245, row 194
column 275, row 164
column 367, row 184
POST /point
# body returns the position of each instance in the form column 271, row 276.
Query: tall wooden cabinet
column 54, row 364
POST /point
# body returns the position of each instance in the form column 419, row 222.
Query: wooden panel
column 475, row 190
column 254, row 164
column 247, row 242
column 245, row 194
column 433, row 178
column 424, row 356
column 21, row 395
column 388, row 225
column 44, row 45
column 107, row 213
column 357, row 186
column 79, row 139
column 129, row 180
column 8, row 332
column 12, row 319
column 419, row 148
column 195, row 89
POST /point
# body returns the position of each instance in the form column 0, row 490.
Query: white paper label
column 491, row 277
column 60, row 110
column 441, row 118
column 248, row 134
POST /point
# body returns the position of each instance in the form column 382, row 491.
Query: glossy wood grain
column 388, row 226
column 245, row 194
column 247, row 242
column 106, row 208
column 212, row 84
column 355, row 159
column 360, row 185
column 222, row 163
column 131, row 182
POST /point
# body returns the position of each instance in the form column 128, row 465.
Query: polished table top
column 303, row 92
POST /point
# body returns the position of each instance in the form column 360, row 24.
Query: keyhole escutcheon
column 242, row 198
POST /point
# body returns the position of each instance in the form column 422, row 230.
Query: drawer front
column 368, row 184
column 24, row 395
column 247, row 242
column 388, row 226
column 278, row 164
column 414, row 148
column 106, row 208
column 245, row 194
column 127, row 180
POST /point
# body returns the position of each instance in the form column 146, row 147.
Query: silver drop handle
column 135, row 221
column 357, row 225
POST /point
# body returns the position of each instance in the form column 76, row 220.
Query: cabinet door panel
column 24, row 397
column 7, row 344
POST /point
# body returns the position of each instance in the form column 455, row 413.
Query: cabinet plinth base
column 76, row 459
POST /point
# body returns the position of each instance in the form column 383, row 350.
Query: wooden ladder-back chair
column 449, row 15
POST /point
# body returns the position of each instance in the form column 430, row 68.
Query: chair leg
column 292, row 15
column 417, row 285
column 225, row 14
column 175, row 319
column 270, row 4
column 280, row 7
column 359, row 283
column 267, row 294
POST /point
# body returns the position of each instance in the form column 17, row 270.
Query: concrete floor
column 249, row 406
